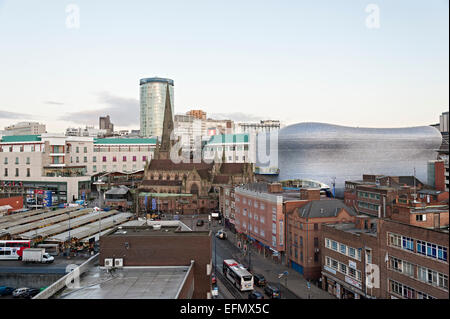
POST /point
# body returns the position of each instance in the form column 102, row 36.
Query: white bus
column 238, row 275
column 13, row 249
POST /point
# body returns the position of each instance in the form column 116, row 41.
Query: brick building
column 166, row 246
column 374, row 194
column 304, row 231
column 260, row 210
column 348, row 250
column 401, row 260
column 415, row 261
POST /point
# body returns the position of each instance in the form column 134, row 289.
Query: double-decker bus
column 13, row 249
column 238, row 275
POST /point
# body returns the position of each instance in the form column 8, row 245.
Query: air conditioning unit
column 108, row 262
column 316, row 250
column 118, row 262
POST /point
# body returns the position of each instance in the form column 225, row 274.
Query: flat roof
column 351, row 228
column 129, row 283
column 150, row 231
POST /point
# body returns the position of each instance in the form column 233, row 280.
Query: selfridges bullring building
column 326, row 152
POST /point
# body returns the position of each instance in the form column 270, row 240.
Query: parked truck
column 37, row 255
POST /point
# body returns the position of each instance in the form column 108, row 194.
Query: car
column 5, row 291
column 19, row 292
column 30, row 293
column 255, row 295
column 200, row 222
column 259, row 280
column 221, row 234
column 272, row 292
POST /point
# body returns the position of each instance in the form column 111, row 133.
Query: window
column 134, row 158
column 352, row 272
column 334, row 245
column 343, row 268
column 85, row 159
column 6, row 172
column 28, row 172
column 114, row 159
column 6, row 160
column 394, row 240
column 316, row 257
column 343, row 249
column 28, row 160
column 85, row 149
column 274, row 241
column 94, row 159
column 327, row 243
column 301, row 241
column 144, row 158
column 274, row 228
column 261, row 206
column 262, row 232
column 352, row 252
column 316, row 242
column 261, row 219
column 334, row 264
column 124, row 159
column 94, row 168
column 17, row 160
column 301, row 255
column 316, row 226
column 17, row 172
column 78, row 149
column 77, row 159
column 104, row 158
column 421, row 218
column 408, row 269
column 407, row 243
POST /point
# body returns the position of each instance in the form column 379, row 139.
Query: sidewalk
column 296, row 283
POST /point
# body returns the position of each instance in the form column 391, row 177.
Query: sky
column 65, row 63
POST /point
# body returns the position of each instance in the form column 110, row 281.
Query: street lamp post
column 68, row 255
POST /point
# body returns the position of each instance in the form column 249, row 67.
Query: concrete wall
column 28, row 280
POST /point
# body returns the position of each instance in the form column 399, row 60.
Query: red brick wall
column 439, row 176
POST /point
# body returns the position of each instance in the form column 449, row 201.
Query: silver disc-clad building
column 152, row 103
column 322, row 152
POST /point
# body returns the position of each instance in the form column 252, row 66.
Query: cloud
column 53, row 103
column 13, row 115
column 122, row 111
column 236, row 117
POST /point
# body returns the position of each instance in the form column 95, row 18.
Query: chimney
column 274, row 188
column 310, row 194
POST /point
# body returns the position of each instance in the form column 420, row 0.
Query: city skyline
column 289, row 61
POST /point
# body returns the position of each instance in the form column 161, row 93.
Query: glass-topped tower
column 153, row 97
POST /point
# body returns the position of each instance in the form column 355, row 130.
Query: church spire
column 163, row 150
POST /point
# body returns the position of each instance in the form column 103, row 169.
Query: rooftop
column 21, row 138
column 229, row 138
column 123, row 140
column 129, row 283
column 177, row 230
column 323, row 208
column 351, row 228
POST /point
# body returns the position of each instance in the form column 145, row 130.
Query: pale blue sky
column 296, row 61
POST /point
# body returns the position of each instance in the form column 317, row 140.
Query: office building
column 152, row 102
column 24, row 128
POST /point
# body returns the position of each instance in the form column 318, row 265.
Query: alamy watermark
column 373, row 19
column 73, row 16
